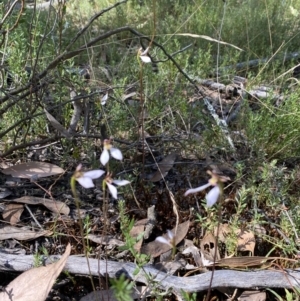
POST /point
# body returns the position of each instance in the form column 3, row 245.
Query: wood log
column 222, row 278
column 255, row 63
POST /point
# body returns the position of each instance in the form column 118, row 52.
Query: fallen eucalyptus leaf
column 171, row 267
column 209, row 248
column 246, row 261
column 10, row 232
column 246, row 241
column 12, row 213
column 4, row 192
column 222, row 231
column 54, row 206
column 36, row 283
column 252, row 296
column 163, row 168
column 137, row 231
column 33, row 169
column 57, row 125
column 155, row 248
column 14, row 251
column 245, row 238
column 192, row 249
column 105, row 240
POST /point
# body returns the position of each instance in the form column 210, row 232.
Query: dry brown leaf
column 54, row 206
column 252, row 296
column 224, row 230
column 142, row 222
column 191, row 248
column 245, row 261
column 208, row 246
column 105, row 240
column 246, row 241
column 9, row 232
column 245, row 238
column 3, row 165
column 36, row 283
column 136, row 230
column 155, row 248
column 33, row 169
column 163, row 168
column 5, row 192
column 171, row 267
column 57, row 125
column 12, row 213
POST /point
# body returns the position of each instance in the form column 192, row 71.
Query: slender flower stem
column 173, row 252
column 77, row 202
column 105, row 197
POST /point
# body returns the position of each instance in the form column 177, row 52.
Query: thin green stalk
column 77, row 202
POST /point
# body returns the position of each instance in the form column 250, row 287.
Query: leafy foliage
column 81, row 62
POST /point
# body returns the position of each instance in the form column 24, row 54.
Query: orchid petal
column 85, row 182
column 205, row 262
column 195, row 190
column 113, row 190
column 145, row 59
column 104, row 99
column 163, row 240
column 144, row 52
column 94, row 174
column 116, row 153
column 121, row 182
column 170, row 234
column 212, row 196
column 104, row 158
column 79, row 167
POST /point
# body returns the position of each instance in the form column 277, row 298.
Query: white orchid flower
column 145, row 59
column 170, row 241
column 213, row 195
column 113, row 189
column 144, row 55
column 104, row 99
column 108, row 148
column 85, row 179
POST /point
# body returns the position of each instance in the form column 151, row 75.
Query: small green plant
column 122, row 288
column 289, row 296
column 169, row 241
column 38, row 258
column 188, row 296
column 126, row 225
column 87, row 229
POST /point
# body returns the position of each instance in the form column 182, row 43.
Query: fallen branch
column 222, row 278
column 258, row 62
